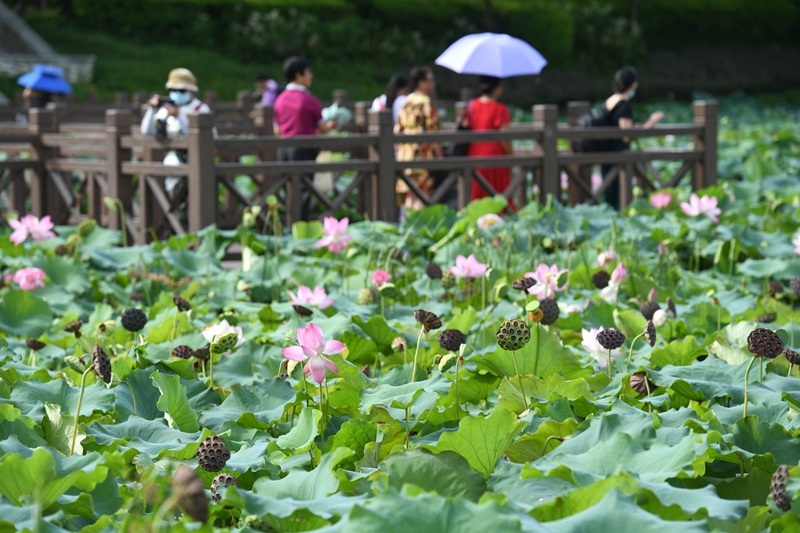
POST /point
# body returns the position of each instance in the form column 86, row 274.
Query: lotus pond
column 563, row 369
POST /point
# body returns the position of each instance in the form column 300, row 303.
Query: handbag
column 460, row 149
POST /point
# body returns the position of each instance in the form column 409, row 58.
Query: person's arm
column 505, row 122
column 148, row 127
column 433, row 123
column 327, row 126
column 654, row 119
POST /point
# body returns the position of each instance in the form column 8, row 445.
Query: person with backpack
column 616, row 112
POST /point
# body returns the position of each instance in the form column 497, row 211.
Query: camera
column 161, row 116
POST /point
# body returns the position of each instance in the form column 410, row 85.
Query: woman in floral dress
column 418, row 115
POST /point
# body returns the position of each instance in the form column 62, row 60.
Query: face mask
column 632, row 94
column 180, row 98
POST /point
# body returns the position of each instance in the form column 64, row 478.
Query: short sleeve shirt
column 297, row 112
column 622, row 109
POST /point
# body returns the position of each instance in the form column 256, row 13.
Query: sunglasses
column 179, row 91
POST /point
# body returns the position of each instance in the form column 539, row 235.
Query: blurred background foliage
column 357, row 43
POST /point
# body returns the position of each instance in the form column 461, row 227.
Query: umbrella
column 47, row 79
column 492, row 54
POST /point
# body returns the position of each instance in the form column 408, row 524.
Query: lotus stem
column 746, row 378
column 610, row 377
column 536, row 358
column 133, row 396
column 630, row 353
column 326, row 400
column 519, row 377
column 408, row 435
column 761, row 370
column 78, row 411
column 547, row 441
column 416, row 353
column 458, row 403
column 789, row 373
column 174, row 327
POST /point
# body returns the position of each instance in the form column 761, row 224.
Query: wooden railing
column 66, row 169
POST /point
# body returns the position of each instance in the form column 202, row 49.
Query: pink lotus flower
column 662, row 248
column 314, row 349
column 796, row 243
column 335, row 238
column 573, row 308
column 594, row 348
column 30, row 225
column 29, row 278
column 619, row 274
column 564, row 181
column 468, row 267
column 215, row 331
column 380, row 277
column 318, row 298
column 489, row 220
column 606, row 257
column 661, row 200
column 398, row 344
column 546, row 281
column 702, row 206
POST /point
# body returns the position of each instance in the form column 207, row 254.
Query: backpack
column 593, row 119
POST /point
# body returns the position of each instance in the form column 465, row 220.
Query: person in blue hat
column 41, row 84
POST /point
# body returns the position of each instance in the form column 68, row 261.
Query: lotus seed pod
column 640, row 383
column 365, row 297
column 222, row 480
column 601, row 279
column 791, row 356
column 671, row 308
column 34, row 344
column 611, row 339
column 448, row 280
column 212, row 454
column 86, row 227
column 452, row 339
column 434, row 271
column 659, row 318
column 550, row 311
column 181, row 303
column 778, row 489
column 513, row 334
column 523, row 284
column 764, row 342
column 650, row 333
column 188, row 489
column 182, row 351
column 101, row 363
column 648, row 309
column 133, row 319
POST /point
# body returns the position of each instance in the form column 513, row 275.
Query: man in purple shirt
column 298, row 112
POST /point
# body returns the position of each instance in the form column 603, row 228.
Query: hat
column 182, row 78
column 45, row 78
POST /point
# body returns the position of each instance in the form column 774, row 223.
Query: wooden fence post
column 244, row 104
column 577, row 195
column 202, row 179
column 384, row 197
column 60, row 112
column 139, row 99
column 121, row 99
column 340, row 97
column 44, row 199
column 706, row 114
column 118, row 124
column 210, row 98
column 545, row 120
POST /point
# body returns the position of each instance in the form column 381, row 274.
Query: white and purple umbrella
column 492, row 54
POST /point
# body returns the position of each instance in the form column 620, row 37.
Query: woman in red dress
column 482, row 114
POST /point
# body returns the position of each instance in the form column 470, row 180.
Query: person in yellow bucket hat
column 168, row 117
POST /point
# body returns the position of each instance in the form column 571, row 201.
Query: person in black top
column 620, row 112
